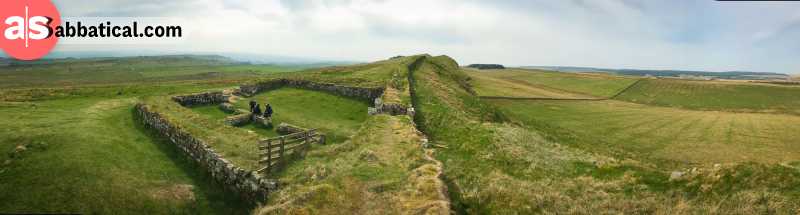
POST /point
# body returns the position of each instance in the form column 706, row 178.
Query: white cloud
column 606, row 33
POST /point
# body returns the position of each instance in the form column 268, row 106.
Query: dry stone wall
column 206, row 98
column 356, row 92
column 247, row 184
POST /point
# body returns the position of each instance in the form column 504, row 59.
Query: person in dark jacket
column 252, row 105
column 268, row 111
column 257, row 110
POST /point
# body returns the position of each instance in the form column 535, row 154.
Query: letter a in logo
column 27, row 27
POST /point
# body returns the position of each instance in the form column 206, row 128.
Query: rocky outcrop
column 286, row 128
column 247, row 184
column 356, row 92
column 238, row 120
column 227, row 107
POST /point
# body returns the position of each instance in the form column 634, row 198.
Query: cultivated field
column 622, row 157
column 685, row 136
column 546, row 84
column 716, row 95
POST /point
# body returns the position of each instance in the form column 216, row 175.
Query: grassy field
column 715, row 95
column 78, row 149
column 513, row 161
column 93, row 71
column 86, row 154
column 546, row 84
column 677, row 135
column 339, row 117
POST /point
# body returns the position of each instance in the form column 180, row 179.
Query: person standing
column 252, row 106
column 268, row 111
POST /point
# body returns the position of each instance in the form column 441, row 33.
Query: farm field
column 715, row 95
column 547, row 84
column 661, row 133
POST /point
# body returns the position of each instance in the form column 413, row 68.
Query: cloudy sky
column 647, row 34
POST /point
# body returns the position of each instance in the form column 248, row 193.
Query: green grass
column 524, row 159
column 715, row 95
column 371, row 173
column 546, row 84
column 87, row 154
column 338, row 117
column 661, row 133
column 100, row 71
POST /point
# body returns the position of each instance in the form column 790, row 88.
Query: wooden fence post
column 283, row 157
column 269, row 155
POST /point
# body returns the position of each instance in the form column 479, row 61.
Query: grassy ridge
column 705, row 95
column 547, row 84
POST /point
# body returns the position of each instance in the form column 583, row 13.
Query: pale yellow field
column 669, row 133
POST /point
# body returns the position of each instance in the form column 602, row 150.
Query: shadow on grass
column 218, row 200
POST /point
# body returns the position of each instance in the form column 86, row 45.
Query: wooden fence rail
column 275, row 152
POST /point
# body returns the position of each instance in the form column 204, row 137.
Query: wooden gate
column 275, row 152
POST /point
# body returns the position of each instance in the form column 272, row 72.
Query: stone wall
column 356, row 92
column 206, row 98
column 247, row 184
column 393, row 109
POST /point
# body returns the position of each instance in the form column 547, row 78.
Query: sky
column 642, row 34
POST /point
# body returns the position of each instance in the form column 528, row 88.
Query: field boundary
column 249, row 185
column 565, row 99
column 626, row 89
column 542, row 98
column 372, row 95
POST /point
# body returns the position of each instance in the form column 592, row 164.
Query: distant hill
column 738, row 75
column 486, row 66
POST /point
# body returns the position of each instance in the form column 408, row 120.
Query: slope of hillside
column 532, row 167
column 714, row 95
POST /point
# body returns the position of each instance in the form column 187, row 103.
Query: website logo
column 27, row 28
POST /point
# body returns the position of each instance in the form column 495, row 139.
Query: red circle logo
column 27, row 28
